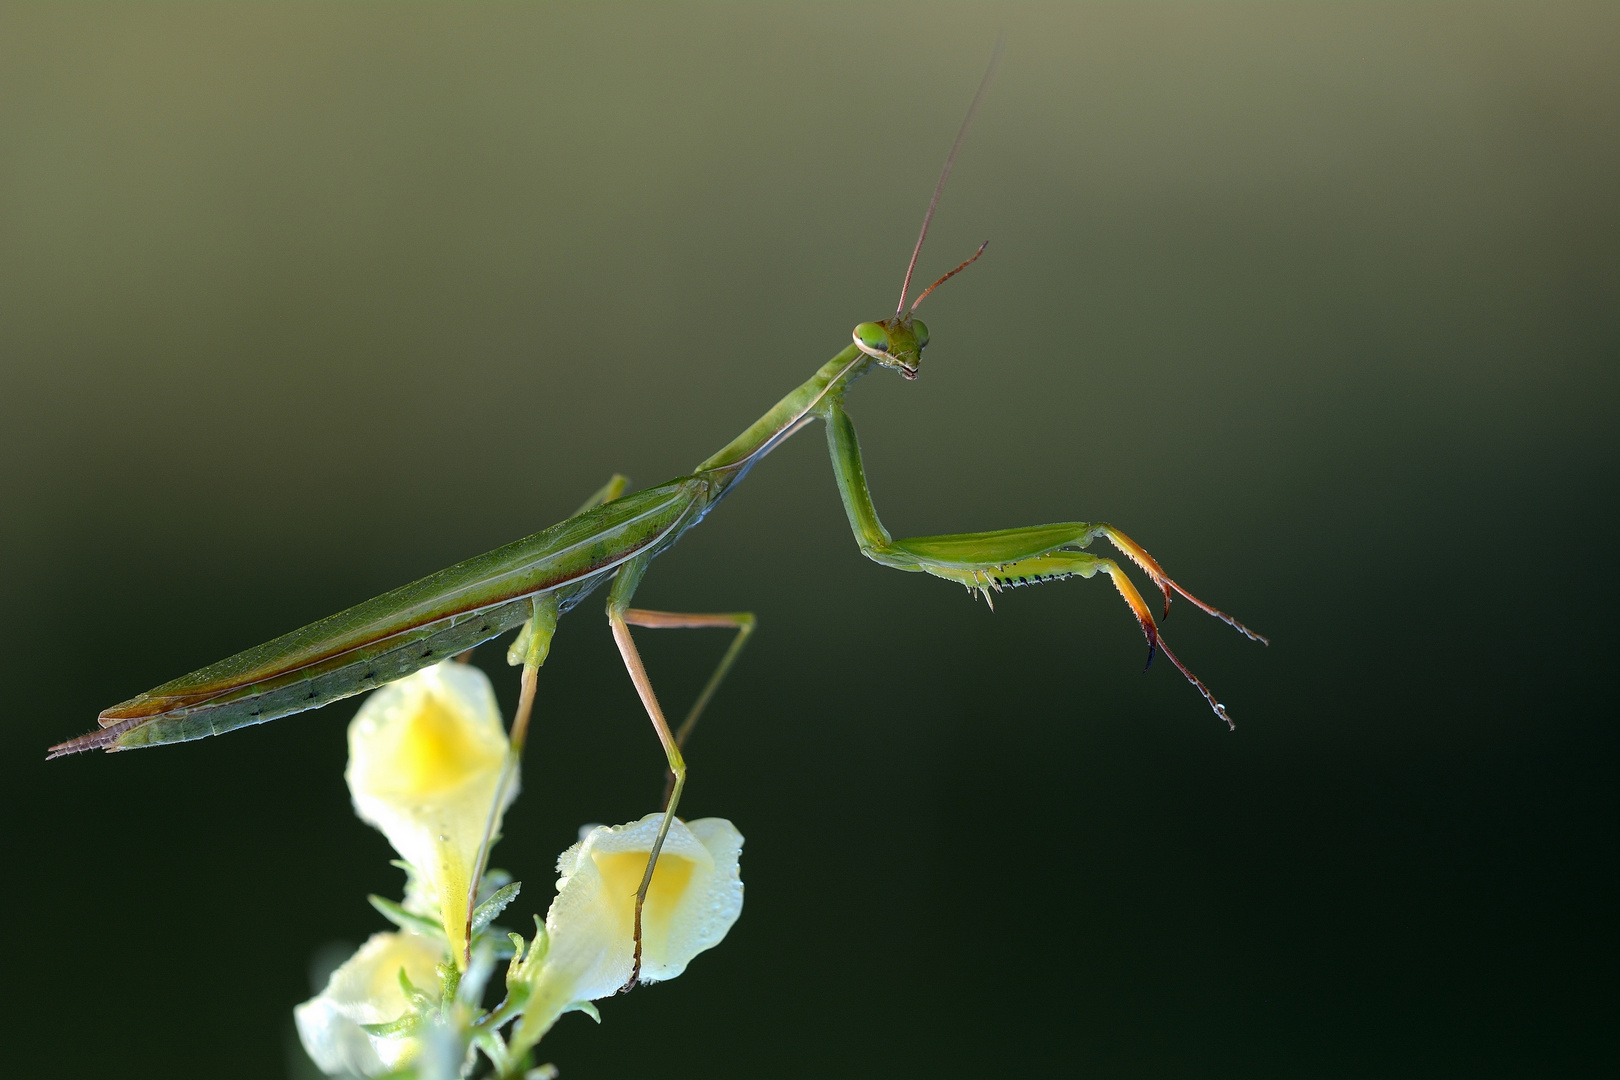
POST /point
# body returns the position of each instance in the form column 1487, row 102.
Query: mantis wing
column 401, row 631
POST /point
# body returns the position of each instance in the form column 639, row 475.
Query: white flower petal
column 425, row 759
column 366, row 990
column 696, row 896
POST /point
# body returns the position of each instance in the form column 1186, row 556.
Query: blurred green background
column 1319, row 303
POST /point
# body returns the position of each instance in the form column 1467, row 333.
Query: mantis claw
column 635, row 961
column 1220, row 710
column 1055, row 554
column 1156, row 640
column 1150, row 566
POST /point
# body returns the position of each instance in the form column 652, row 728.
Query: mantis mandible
column 612, row 541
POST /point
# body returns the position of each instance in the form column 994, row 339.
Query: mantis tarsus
column 612, row 540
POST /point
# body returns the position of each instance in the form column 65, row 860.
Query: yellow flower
column 366, row 990
column 696, row 895
column 425, row 759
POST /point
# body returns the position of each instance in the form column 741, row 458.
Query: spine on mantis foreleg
column 1043, row 568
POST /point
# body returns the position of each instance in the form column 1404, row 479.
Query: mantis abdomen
column 403, row 630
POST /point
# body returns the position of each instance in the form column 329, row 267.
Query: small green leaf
column 514, row 968
column 406, row 920
column 449, row 979
column 416, row 997
column 530, row 967
column 496, row 937
column 494, row 878
column 405, row 1025
column 494, row 1047
column 494, row 906
column 585, row 1007
column 471, row 990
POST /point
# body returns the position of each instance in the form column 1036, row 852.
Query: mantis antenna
column 967, row 262
column 945, row 174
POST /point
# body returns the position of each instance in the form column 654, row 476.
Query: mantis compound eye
column 872, row 337
column 920, row 328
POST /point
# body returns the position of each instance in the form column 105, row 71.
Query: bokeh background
column 298, row 303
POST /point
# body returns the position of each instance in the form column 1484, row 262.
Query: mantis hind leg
column 618, row 605
column 741, row 621
column 621, row 618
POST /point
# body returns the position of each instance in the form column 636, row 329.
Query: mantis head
column 895, row 343
column 898, row 342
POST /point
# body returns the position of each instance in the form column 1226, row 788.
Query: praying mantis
column 611, row 541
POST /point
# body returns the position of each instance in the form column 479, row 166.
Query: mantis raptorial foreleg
column 1008, row 557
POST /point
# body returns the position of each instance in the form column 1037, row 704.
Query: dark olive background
column 1319, row 303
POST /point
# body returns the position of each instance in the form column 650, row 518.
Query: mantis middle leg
column 1009, row 557
column 530, row 649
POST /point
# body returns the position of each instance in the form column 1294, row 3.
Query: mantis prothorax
column 612, row 540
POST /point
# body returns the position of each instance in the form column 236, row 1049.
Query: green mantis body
column 612, row 540
column 448, row 612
